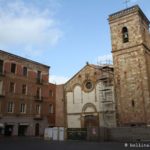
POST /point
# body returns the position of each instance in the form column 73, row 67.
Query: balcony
column 17, row 114
column 2, row 74
column 39, row 81
column 2, row 94
column 38, row 117
column 38, row 98
column 1, row 116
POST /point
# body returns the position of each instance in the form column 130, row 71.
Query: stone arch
column 75, row 85
column 89, row 105
column 89, row 118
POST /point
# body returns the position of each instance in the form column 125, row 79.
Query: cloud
column 105, row 59
column 28, row 23
column 58, row 79
column 133, row 1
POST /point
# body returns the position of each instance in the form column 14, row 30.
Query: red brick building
column 27, row 99
column 60, row 113
column 51, row 103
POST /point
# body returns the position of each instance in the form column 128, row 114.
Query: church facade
column 131, row 58
column 96, row 96
column 89, row 97
column 129, row 91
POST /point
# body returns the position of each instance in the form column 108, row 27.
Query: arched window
column 125, row 35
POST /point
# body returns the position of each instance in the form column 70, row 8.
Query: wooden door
column 90, row 121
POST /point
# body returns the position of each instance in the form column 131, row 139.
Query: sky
column 63, row 34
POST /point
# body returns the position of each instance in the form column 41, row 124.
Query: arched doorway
column 89, row 116
column 90, row 121
column 37, row 129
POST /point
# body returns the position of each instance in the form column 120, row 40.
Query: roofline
column 90, row 65
column 52, row 84
column 127, row 11
column 76, row 73
column 25, row 59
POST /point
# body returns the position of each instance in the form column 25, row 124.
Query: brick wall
column 45, row 118
column 60, row 106
column 51, row 101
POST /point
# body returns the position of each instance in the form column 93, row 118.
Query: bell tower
column 131, row 57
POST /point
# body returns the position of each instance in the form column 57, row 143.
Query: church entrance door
column 90, row 121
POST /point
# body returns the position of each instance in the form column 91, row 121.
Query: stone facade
column 89, row 98
column 131, row 56
column 27, row 100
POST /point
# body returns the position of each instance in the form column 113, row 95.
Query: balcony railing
column 17, row 114
column 38, row 117
column 38, row 98
column 39, row 81
column 2, row 94
column 1, row 116
column 2, row 74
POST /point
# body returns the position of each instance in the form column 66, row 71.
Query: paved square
column 33, row 143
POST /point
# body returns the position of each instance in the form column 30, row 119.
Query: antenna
column 126, row 3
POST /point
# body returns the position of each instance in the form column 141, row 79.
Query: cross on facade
column 126, row 3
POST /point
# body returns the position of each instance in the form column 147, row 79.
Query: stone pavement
column 33, row 143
